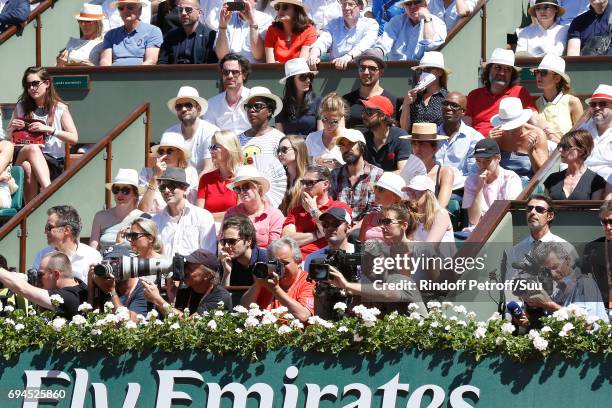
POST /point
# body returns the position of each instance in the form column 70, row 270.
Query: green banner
column 291, row 379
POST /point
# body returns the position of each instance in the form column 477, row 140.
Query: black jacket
column 203, row 52
column 594, row 262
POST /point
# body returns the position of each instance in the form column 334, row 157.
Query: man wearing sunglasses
column 600, row 127
column 597, row 256
column 182, row 226
column 192, row 42
column 62, row 230
column 409, row 35
column 589, row 33
column 13, row 13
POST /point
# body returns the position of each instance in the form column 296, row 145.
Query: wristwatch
column 254, row 26
column 313, row 212
column 427, row 19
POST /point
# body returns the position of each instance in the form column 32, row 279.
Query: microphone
column 515, row 309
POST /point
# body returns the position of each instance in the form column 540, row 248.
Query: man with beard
column 192, row 43
column 188, row 107
column 600, row 126
column 370, row 68
column 384, row 148
column 225, row 109
column 500, row 78
column 352, row 182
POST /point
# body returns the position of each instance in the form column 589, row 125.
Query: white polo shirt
column 220, row 114
column 79, row 260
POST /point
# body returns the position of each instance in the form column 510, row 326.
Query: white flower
column 577, row 311
column 342, row 329
column 174, row 326
column 187, row 312
column 480, row 333
column 498, row 341
column 462, row 323
column 19, row 326
column 212, row 325
column 481, row 324
column 447, row 305
column 421, row 323
column 413, row 307
column 123, row 314
column 268, row 318
column 434, row 305
column 279, row 311
column 460, row 309
column 220, row 303
column 56, row 300
column 546, row 329
column 254, row 312
column 284, row 329
column 561, row 314
column 314, row 320
column 592, row 319
column 434, row 324
column 11, row 309
column 340, row 306
column 240, row 309
column 471, row 315
column 495, row 316
column 238, row 330
column 533, row 334
column 251, row 322
column 567, row 327
column 153, row 314
column 85, row 307
column 9, row 321
column 130, row 325
column 357, row 338
column 58, row 323
column 253, row 306
column 453, row 318
column 96, row 332
column 158, row 322
column 219, row 312
column 415, row 316
column 78, row 320
column 296, row 324
column 393, row 315
column 288, row 316
column 108, row 306
column 447, row 327
column 507, row 328
column 140, row 318
column 540, row 344
column 1, row 306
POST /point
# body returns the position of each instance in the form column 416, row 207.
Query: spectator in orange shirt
column 291, row 35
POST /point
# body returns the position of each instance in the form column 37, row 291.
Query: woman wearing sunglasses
column 40, row 111
column 291, row 34
column 107, row 223
column 399, row 222
column 576, row 182
column 545, row 35
column 213, row 193
column 560, row 109
column 171, row 152
column 251, row 187
column 293, row 155
column 300, row 103
column 86, row 49
column 261, row 106
column 321, row 144
column 387, row 191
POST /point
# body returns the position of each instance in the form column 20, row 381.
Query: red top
column 482, row 105
column 214, row 190
column 301, row 290
column 304, row 223
column 285, row 50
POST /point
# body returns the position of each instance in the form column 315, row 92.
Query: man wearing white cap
column 600, row 126
column 352, row 182
column 500, row 78
column 189, row 107
column 589, row 33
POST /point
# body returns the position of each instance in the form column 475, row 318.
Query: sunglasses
column 214, row 147
column 364, row 68
column 130, row 8
column 173, row 185
column 243, row 188
column 122, row 190
column 133, row 236
column 304, row 77
column 282, row 6
column 371, row 111
column 163, row 152
column 49, row 227
column 187, row 10
column 332, row 122
column 539, row 209
column 385, row 222
column 233, row 72
column 413, row 3
column 309, row 183
column 186, row 105
column 229, row 241
column 452, row 105
column 257, row 106
column 600, row 104
column 284, row 150
column 331, row 224
column 566, row 146
column 605, row 222
column 541, row 72
column 33, row 84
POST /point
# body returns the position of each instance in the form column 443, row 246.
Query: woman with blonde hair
column 213, row 193
column 86, row 49
column 293, row 154
column 321, row 144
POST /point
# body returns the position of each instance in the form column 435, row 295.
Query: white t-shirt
column 316, row 148
column 84, row 50
column 79, row 260
column 198, row 144
column 234, row 119
column 238, row 33
column 266, row 144
column 537, row 41
column 507, row 186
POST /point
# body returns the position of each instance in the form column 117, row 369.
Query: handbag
column 25, row 137
column 598, row 44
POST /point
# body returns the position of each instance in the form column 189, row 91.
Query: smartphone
column 235, row 5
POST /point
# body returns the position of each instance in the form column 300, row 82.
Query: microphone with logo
column 519, row 317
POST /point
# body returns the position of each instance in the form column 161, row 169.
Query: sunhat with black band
column 555, row 64
column 296, row 66
column 188, row 92
column 532, row 11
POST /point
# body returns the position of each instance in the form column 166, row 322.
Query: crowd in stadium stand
column 250, row 178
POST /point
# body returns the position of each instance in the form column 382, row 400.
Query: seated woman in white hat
column 107, row 223
column 171, row 152
column 86, row 49
column 387, row 191
column 261, row 106
column 546, row 35
column 560, row 109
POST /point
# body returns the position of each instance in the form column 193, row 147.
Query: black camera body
column 121, row 264
column 263, row 270
column 531, row 272
column 235, row 6
column 346, row 263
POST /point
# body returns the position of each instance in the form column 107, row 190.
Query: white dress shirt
column 79, row 260
column 457, row 151
column 537, row 41
column 340, row 40
column 323, row 11
column 600, row 160
column 238, row 33
column 199, row 142
column 403, row 41
column 448, row 14
column 194, row 229
column 224, row 117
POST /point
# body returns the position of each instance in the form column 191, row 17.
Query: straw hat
column 298, row 3
column 432, row 59
column 602, row 92
column 173, row 139
column 296, row 66
column 249, row 173
column 555, row 64
column 392, row 182
column 188, row 92
column 532, row 12
column 425, row 132
column 90, row 12
column 128, row 177
column 511, row 114
column 264, row 92
column 114, row 4
column 501, row 57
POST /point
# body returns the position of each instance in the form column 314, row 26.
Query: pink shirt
column 268, row 226
column 507, row 186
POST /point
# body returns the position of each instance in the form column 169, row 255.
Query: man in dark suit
column 597, row 256
column 14, row 12
column 192, row 43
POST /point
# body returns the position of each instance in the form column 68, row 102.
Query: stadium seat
column 6, row 213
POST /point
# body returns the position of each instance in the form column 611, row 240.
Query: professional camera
column 531, row 275
column 347, row 264
column 121, row 264
column 263, row 270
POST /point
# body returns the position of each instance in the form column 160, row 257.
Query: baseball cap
column 203, row 257
column 338, row 213
column 379, row 102
column 486, row 148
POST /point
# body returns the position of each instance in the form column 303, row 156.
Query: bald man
column 458, row 149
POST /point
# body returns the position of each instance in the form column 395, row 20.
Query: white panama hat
column 173, row 139
column 249, row 173
column 392, row 182
column 422, row 183
column 432, row 59
column 127, row 177
column 502, row 57
column 296, row 66
column 264, row 92
column 555, row 64
column 188, row 92
column 90, row 12
column 603, row 91
column 511, row 114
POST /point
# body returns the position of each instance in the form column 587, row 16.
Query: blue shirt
column 341, row 40
column 457, row 152
column 385, row 10
column 572, row 8
column 403, row 41
column 589, row 24
column 129, row 48
column 449, row 14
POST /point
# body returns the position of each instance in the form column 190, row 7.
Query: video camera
column 263, row 270
column 532, row 273
column 121, row 264
column 347, row 264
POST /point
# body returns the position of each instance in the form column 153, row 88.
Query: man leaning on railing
column 13, row 12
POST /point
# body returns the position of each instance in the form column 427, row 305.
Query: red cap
column 379, row 102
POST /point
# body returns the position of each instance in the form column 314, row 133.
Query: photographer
column 203, row 293
column 56, row 278
column 288, row 287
